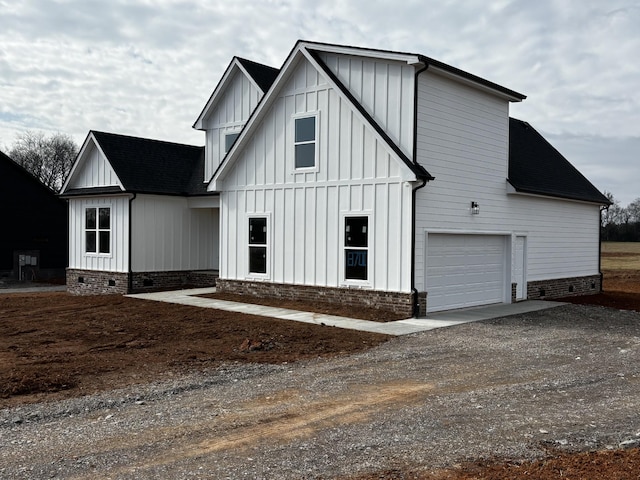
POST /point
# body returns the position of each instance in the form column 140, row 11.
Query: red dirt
column 55, row 345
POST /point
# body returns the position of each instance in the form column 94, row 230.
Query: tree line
column 49, row 159
column 620, row 224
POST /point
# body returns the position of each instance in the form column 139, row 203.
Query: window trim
column 97, row 230
column 368, row 283
column 266, row 245
column 316, row 141
column 223, row 141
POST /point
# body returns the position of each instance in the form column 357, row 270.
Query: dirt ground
column 54, row 345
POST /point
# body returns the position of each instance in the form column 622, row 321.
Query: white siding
column 231, row 112
column 169, row 236
column 118, row 259
column 94, row 171
column 463, row 142
column 384, row 88
column 356, row 174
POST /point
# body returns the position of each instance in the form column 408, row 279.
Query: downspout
column 414, row 291
column 600, row 247
column 130, row 268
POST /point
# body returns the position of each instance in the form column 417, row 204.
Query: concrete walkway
column 399, row 327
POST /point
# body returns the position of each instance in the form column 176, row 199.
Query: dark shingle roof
column 153, row 166
column 536, row 167
column 262, row 74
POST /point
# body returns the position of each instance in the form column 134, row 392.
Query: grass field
column 621, row 256
column 621, row 266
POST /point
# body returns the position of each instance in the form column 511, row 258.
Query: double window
column 258, row 245
column 305, row 142
column 356, row 248
column 98, row 230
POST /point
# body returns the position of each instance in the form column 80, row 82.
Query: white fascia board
column 80, row 159
column 220, row 87
column 407, row 174
column 410, row 59
column 471, row 83
column 511, row 190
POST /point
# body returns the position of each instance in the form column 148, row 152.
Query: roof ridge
column 155, row 140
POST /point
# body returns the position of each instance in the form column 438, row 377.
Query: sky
column 146, row 68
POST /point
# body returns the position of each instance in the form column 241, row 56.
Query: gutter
column 424, row 180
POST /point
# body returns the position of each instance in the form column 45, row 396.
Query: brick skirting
column 94, row 282
column 564, row 287
column 391, row 301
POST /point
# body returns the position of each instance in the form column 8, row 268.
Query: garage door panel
column 464, row 270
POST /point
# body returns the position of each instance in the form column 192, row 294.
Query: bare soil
column 54, row 346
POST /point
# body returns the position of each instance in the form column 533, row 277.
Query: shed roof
column 536, row 167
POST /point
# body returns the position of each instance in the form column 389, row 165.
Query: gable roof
column 536, row 167
column 262, row 76
column 149, row 166
column 307, row 50
column 416, row 168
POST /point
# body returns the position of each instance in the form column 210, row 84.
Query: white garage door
column 464, row 270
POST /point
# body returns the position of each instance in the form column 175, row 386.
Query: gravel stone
column 566, row 379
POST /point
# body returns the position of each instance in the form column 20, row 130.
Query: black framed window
column 98, row 230
column 356, row 248
column 258, row 245
column 305, row 142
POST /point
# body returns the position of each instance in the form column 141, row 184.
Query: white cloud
column 147, row 67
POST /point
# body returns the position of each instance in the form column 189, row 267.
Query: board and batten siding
column 170, row 236
column 95, row 171
column 463, row 137
column 384, row 88
column 118, row 258
column 230, row 114
column 356, row 174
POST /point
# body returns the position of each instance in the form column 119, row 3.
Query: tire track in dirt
column 263, row 419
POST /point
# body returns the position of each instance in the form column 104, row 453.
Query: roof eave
column 539, row 193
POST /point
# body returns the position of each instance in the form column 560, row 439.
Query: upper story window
column 229, row 140
column 98, row 230
column 305, row 142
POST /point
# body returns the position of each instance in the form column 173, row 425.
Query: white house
column 352, row 175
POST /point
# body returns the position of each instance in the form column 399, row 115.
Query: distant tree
column 611, row 214
column 49, row 159
column 633, row 210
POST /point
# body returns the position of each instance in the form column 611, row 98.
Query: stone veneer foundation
column 397, row 302
column 94, row 282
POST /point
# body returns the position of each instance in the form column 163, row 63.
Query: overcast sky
column 146, row 68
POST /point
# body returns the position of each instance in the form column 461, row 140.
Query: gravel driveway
column 565, row 378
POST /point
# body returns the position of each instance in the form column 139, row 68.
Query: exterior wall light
column 475, row 208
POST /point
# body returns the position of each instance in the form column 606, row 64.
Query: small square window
column 229, row 140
